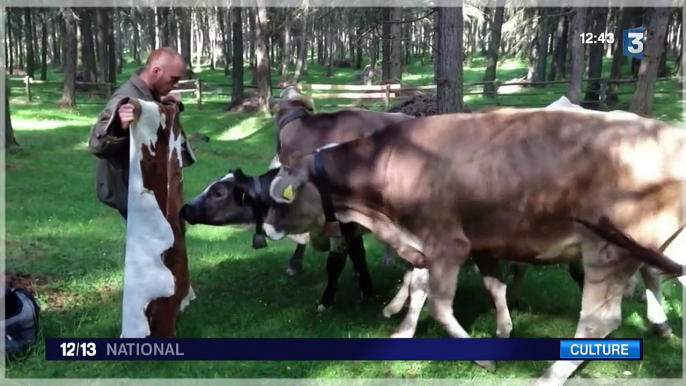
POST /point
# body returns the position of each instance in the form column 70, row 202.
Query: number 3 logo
column 637, row 41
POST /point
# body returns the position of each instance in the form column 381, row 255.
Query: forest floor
column 69, row 248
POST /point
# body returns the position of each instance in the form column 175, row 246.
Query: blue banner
column 343, row 349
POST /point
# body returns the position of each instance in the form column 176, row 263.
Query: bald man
column 109, row 137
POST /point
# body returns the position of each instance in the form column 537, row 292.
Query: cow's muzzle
column 272, row 233
column 190, row 213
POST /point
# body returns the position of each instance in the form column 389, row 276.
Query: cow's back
column 312, row 132
column 493, row 167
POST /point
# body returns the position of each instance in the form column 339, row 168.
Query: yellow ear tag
column 288, row 192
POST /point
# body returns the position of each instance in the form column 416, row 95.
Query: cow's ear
column 283, row 189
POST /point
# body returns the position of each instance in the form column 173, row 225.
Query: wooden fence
column 385, row 93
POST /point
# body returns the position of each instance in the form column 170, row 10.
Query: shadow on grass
column 248, row 295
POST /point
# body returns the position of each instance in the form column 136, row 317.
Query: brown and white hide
column 156, row 279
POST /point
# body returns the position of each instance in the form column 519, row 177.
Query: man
column 109, row 137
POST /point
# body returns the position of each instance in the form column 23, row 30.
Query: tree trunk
column 386, row 45
column 302, row 53
column 618, row 58
column 9, row 43
column 136, row 44
column 102, row 20
column 496, row 27
column 56, row 46
column 88, row 47
column 152, row 34
column 647, row 73
column 69, row 48
column 595, row 57
column 30, row 59
column 185, row 35
column 44, row 49
column 285, row 50
column 449, row 64
column 111, row 50
column 262, row 58
column 237, row 64
column 543, row 35
column 396, row 46
column 559, row 52
column 578, row 26
column 10, row 140
column 221, row 16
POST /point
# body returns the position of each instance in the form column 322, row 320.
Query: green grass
column 72, row 246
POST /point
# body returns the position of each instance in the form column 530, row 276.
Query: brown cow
column 156, row 281
column 560, row 182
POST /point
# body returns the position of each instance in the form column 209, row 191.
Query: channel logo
column 632, row 42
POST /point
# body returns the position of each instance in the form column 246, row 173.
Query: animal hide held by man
column 156, row 280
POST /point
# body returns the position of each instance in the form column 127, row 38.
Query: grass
column 72, row 248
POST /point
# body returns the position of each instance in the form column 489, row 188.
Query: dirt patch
column 26, row 281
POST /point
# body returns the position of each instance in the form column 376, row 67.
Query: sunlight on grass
column 213, row 233
column 19, row 124
column 243, row 129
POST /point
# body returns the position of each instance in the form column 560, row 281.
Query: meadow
column 68, row 248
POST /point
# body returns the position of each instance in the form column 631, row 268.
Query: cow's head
column 223, row 202
column 296, row 205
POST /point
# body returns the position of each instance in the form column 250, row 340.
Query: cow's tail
column 655, row 258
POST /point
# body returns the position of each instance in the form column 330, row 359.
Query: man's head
column 163, row 70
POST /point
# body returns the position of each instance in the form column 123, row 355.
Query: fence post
column 198, row 92
column 27, row 82
column 109, row 88
column 496, row 86
column 387, row 99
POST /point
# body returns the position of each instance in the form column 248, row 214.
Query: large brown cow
column 156, row 281
column 561, row 183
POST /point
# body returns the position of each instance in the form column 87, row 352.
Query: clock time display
column 604, row 37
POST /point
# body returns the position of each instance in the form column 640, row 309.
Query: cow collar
column 332, row 227
column 292, row 116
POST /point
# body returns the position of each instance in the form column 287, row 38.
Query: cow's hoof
column 259, row 242
column 663, row 330
column 403, row 334
column 321, row 308
column 389, row 311
column 488, row 365
column 292, row 271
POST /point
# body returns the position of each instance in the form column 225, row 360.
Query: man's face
column 167, row 76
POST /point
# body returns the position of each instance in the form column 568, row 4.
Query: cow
column 238, row 199
column 156, row 279
column 301, row 129
column 414, row 285
column 562, row 183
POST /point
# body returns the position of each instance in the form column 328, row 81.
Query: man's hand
column 172, row 97
column 125, row 115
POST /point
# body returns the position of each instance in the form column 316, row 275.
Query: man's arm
column 107, row 136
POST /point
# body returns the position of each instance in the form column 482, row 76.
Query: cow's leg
column 606, row 274
column 576, row 271
column 630, row 288
column 335, row 263
column 444, row 266
column 419, row 286
column 295, row 264
column 388, row 256
column 655, row 313
column 495, row 284
column 358, row 257
column 518, row 272
column 396, row 304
